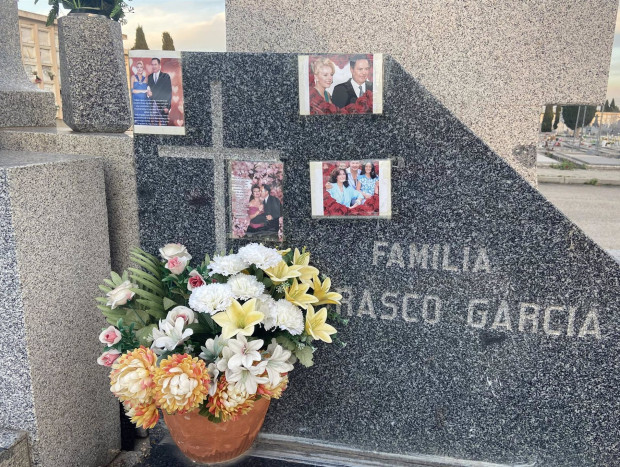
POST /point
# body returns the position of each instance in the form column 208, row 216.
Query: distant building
column 39, row 45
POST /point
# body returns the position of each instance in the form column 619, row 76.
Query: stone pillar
column 54, row 249
column 21, row 102
column 95, row 95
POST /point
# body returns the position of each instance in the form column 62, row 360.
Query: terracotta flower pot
column 207, row 442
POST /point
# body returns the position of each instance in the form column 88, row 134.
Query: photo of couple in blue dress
column 350, row 188
column 156, row 86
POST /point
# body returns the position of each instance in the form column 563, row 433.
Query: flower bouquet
column 211, row 341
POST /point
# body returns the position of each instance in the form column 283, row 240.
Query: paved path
column 595, row 209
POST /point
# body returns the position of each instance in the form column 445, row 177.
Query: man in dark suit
column 160, row 92
column 348, row 92
column 272, row 209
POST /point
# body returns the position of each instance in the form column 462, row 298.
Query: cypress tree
column 166, row 42
column 613, row 107
column 606, row 106
column 140, row 43
column 569, row 113
column 545, row 127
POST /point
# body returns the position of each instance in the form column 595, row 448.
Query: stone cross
column 21, row 102
column 220, row 155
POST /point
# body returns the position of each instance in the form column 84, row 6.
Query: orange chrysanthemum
column 229, row 402
column 273, row 392
column 144, row 415
column 181, row 383
column 131, row 378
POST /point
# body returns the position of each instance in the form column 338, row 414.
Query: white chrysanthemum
column 227, row 265
column 211, row 298
column 260, row 255
column 289, row 317
column 267, row 306
column 245, row 287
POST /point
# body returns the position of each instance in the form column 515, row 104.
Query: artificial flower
column 195, row 280
column 212, row 349
column 213, row 374
column 307, row 272
column 266, row 305
column 277, row 362
column 248, row 378
column 229, row 401
column 244, row 353
column 238, row 319
column 260, row 255
column 131, row 378
column 322, row 293
column 181, row 383
column 245, row 287
column 120, row 295
column 289, row 317
column 110, row 336
column 169, row 336
column 181, row 312
column 171, row 250
column 282, row 272
column 316, row 325
column 144, row 415
column 211, row 298
column 108, row 357
column 268, row 391
column 227, row 265
column 176, row 265
column 297, row 295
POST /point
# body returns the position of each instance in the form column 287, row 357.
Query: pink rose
column 110, row 336
column 177, row 264
column 108, row 357
column 195, row 280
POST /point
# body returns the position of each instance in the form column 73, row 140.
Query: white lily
column 278, row 363
column 247, row 378
column 169, row 336
column 244, row 353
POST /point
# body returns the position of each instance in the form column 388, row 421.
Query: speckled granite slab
column 483, row 324
column 55, row 251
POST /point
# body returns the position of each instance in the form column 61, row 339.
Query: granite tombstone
column 483, row 323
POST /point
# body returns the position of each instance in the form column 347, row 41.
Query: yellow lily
column 297, row 295
column 284, row 252
column 239, row 319
column 322, row 293
column 282, row 272
column 316, row 325
column 307, row 271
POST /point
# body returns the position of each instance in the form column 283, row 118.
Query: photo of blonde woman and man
column 156, row 92
column 256, row 200
column 350, row 188
column 340, row 84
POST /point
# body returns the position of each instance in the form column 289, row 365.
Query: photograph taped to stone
column 351, row 188
column 256, row 200
column 345, row 84
column 156, row 85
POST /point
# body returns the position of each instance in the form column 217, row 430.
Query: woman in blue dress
column 342, row 192
column 367, row 182
column 141, row 104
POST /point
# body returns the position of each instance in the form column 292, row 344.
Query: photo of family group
column 256, row 200
column 351, row 188
column 340, row 84
column 156, row 85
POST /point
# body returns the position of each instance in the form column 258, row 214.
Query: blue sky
column 193, row 24
column 200, row 25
